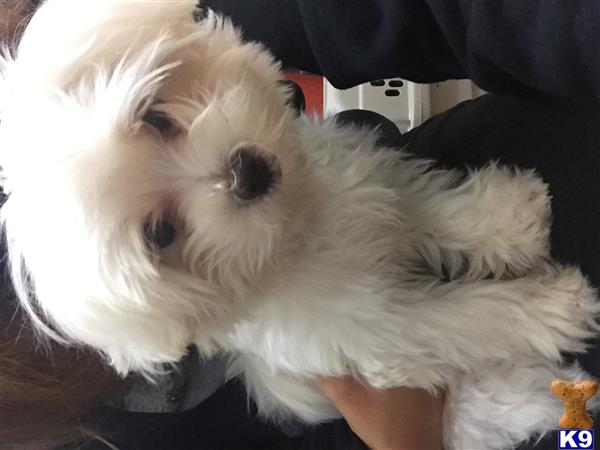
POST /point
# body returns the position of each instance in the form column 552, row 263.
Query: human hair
column 46, row 391
column 14, row 16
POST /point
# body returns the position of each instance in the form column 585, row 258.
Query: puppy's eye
column 161, row 234
column 161, row 122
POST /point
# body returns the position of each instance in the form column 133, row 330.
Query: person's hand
column 394, row 419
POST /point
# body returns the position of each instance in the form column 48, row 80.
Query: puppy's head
column 153, row 175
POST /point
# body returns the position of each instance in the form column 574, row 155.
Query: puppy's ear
column 64, row 36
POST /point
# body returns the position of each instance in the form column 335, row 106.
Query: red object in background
column 312, row 86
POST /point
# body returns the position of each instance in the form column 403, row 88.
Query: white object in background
column 399, row 100
column 445, row 95
column 407, row 104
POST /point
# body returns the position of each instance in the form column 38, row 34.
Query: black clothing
column 504, row 46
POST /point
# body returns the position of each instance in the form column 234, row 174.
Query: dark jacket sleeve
column 548, row 46
column 330, row 436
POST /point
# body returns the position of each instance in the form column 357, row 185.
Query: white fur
column 337, row 271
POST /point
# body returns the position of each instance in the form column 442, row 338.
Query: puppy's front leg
column 495, row 222
column 419, row 334
column 432, row 333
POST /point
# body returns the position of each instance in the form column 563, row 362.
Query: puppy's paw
column 563, row 310
column 510, row 221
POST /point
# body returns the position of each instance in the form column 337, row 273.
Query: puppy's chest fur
column 362, row 245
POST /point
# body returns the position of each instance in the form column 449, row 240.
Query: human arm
column 518, row 46
column 397, row 418
column 393, row 419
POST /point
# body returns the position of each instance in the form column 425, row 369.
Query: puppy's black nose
column 256, row 172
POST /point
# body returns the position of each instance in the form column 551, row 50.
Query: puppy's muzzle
column 255, row 172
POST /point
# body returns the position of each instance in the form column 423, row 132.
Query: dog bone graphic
column 575, row 396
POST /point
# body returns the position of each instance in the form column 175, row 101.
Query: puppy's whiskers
column 225, row 184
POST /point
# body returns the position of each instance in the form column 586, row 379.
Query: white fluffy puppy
column 162, row 194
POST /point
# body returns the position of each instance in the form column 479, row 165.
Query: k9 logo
column 575, row 439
